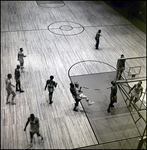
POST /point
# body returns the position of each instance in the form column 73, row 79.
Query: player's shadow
column 45, row 103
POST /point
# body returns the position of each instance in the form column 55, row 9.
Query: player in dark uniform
column 75, row 96
column 17, row 79
column 97, row 37
column 113, row 95
column 50, row 84
column 34, row 127
column 120, row 67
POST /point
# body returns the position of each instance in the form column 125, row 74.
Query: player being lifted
column 78, row 95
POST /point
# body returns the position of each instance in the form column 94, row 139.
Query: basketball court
column 58, row 38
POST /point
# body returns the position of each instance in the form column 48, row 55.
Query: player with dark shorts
column 75, row 96
column 50, row 84
column 17, row 79
column 113, row 95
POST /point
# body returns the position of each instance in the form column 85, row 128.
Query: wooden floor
column 51, row 51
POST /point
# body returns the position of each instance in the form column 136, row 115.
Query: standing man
column 50, row 84
column 17, row 79
column 113, row 95
column 97, row 39
column 34, row 128
column 120, row 67
column 20, row 58
column 9, row 89
column 136, row 92
column 74, row 94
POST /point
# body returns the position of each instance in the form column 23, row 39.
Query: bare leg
column 13, row 95
column 8, row 94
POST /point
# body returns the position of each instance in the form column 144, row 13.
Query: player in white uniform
column 80, row 94
column 136, row 92
column 20, row 58
column 34, row 127
column 9, row 89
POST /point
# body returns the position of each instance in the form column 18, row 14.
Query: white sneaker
column 29, row 146
column 42, row 140
column 91, row 103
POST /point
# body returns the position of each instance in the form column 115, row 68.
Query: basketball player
column 17, row 79
column 74, row 94
column 97, row 37
column 20, row 58
column 50, row 84
column 120, row 67
column 9, row 89
column 113, row 95
column 81, row 95
column 34, row 127
column 136, row 92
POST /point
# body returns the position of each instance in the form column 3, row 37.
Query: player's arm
column 18, row 56
column 141, row 91
column 24, row 55
column 55, row 84
column 46, row 85
column 12, row 85
column 80, row 89
column 26, row 124
column 117, row 65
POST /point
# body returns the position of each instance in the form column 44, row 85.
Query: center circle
column 65, row 27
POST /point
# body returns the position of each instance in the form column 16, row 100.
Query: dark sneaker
column 21, row 91
column 75, row 110
column 13, row 103
column 51, row 102
column 7, row 102
column 17, row 90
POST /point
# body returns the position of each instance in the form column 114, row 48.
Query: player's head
column 21, row 49
column 71, row 85
column 113, row 83
column 51, row 77
column 18, row 66
column 99, row 31
column 32, row 116
column 9, row 75
column 76, row 84
column 139, row 83
column 122, row 56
